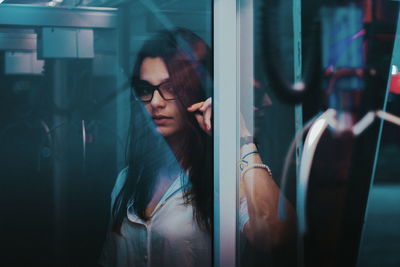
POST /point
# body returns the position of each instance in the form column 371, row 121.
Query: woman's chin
column 164, row 131
column 169, row 133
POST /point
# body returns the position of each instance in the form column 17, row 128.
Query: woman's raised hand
column 203, row 112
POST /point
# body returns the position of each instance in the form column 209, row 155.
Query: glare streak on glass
column 388, row 117
column 366, row 121
column 294, row 144
column 309, row 148
column 84, row 141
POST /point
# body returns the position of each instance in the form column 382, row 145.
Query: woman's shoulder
column 119, row 183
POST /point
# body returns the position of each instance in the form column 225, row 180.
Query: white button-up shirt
column 171, row 237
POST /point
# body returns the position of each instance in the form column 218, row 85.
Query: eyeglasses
column 144, row 91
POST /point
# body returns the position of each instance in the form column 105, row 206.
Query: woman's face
column 165, row 113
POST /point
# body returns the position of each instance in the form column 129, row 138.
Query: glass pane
column 72, row 120
column 320, row 69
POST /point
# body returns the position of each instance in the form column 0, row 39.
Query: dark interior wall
column 55, row 193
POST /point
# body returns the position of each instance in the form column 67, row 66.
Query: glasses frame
column 154, row 88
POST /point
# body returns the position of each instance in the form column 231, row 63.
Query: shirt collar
column 180, row 184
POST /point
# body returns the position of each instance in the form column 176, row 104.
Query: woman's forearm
column 264, row 228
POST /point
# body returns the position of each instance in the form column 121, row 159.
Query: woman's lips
column 161, row 119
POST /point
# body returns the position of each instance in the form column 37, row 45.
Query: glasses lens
column 143, row 90
column 167, row 91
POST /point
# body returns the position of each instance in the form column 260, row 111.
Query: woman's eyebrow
column 165, row 80
column 162, row 81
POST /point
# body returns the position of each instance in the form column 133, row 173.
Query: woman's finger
column 207, row 104
column 207, row 118
column 200, row 120
column 195, row 106
column 203, row 112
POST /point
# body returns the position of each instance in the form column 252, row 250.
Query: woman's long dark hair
column 189, row 63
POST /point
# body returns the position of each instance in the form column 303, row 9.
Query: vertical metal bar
column 298, row 109
column 297, row 71
column 60, row 98
column 225, row 133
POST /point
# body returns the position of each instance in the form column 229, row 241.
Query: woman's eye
column 146, row 91
column 169, row 88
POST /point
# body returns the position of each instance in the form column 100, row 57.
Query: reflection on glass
column 262, row 228
column 266, row 236
column 162, row 201
column 337, row 161
column 65, row 103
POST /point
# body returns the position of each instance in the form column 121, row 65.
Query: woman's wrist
column 253, row 166
column 247, row 144
column 247, row 148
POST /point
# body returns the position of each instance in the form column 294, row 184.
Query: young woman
column 162, row 202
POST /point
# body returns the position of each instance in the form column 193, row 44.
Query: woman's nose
column 157, row 100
